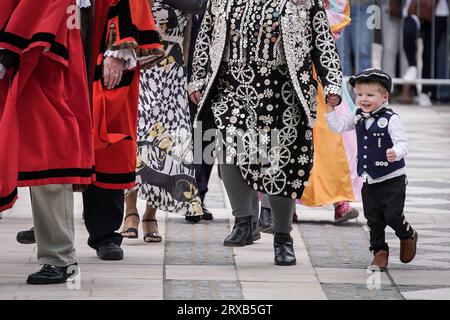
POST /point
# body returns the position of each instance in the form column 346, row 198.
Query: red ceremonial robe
column 120, row 24
column 45, row 119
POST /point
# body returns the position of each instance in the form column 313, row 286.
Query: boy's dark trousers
column 383, row 204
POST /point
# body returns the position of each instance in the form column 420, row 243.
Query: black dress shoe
column 265, row 221
column 52, row 274
column 193, row 219
column 207, row 215
column 242, row 233
column 26, row 237
column 110, row 251
column 283, row 246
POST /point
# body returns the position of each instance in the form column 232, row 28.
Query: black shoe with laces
column 52, row 274
column 110, row 251
column 26, row 237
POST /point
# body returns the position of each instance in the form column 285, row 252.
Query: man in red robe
column 46, row 136
column 125, row 40
column 120, row 38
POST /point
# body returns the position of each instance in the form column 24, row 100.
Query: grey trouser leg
column 244, row 200
column 282, row 212
column 279, row 205
column 53, row 208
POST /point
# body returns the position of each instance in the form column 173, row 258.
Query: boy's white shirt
column 343, row 123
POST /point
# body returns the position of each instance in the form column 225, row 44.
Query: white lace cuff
column 83, row 3
column 128, row 55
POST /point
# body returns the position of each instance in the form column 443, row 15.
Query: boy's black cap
column 375, row 75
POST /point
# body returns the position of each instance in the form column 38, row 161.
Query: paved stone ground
column 191, row 263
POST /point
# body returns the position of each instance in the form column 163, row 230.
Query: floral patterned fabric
column 165, row 171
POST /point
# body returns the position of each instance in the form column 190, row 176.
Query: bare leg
column 150, row 225
column 131, row 221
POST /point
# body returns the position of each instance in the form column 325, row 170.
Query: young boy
column 382, row 146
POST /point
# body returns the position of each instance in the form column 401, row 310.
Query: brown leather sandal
column 131, row 232
column 152, row 236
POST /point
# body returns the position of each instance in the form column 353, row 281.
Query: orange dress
column 331, row 178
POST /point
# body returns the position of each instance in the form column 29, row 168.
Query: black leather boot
column 242, row 234
column 283, row 246
column 265, row 220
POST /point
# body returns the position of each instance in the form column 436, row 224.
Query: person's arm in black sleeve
column 324, row 52
column 188, row 6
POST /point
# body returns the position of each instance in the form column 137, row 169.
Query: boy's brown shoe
column 380, row 260
column 408, row 248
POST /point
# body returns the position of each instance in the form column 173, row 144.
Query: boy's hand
column 333, row 100
column 390, row 154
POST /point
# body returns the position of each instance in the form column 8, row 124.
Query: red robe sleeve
column 120, row 24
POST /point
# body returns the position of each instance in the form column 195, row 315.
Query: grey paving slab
column 352, row 276
column 202, row 290
column 335, row 291
column 336, row 246
column 282, row 291
column 425, row 292
column 199, row 244
column 148, row 290
column 200, row 272
column 421, row 277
